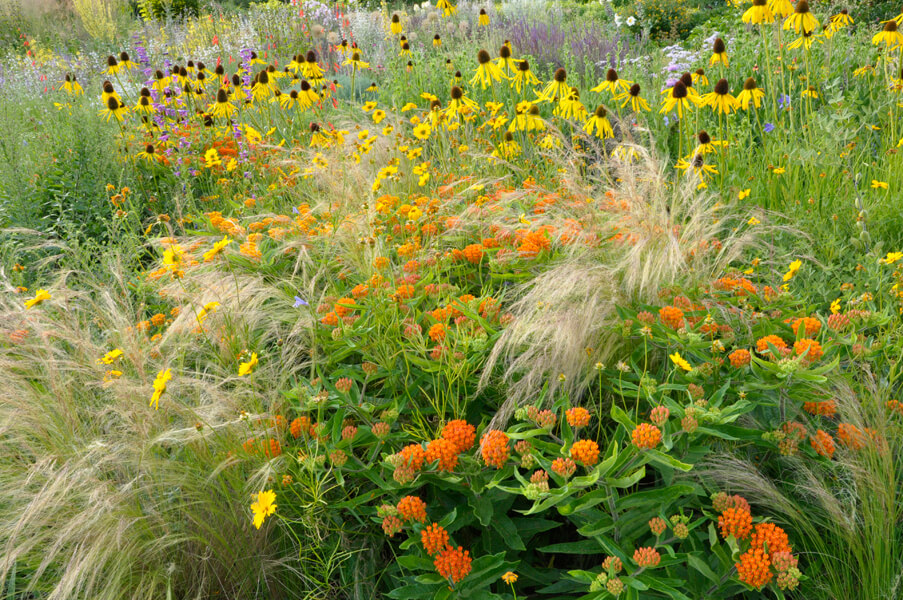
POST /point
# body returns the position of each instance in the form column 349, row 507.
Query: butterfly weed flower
column 412, row 508
column 585, row 452
column 751, row 93
column 460, row 433
column 646, row 436
column 720, row 99
column 801, row 20
column 599, row 124
column 434, row 538
column 612, row 84
column 632, row 97
column 487, row 71
column 735, row 522
column 758, row 13
column 454, row 564
column 719, row 53
column 889, row 36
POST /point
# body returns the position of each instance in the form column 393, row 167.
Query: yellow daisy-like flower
column 721, row 99
column 160, row 386
column 263, row 507
column 805, row 41
column 892, row 257
column 681, row 362
column 879, row 185
column 599, row 123
column 750, row 93
column 246, row 368
column 793, row 270
column 39, row 297
column 110, row 357
column 422, row 131
column 557, row 88
column 677, row 98
column 801, row 20
column 612, row 84
column 758, row 13
column 632, row 97
column 889, row 36
column 719, row 53
column 217, row 248
column 487, row 71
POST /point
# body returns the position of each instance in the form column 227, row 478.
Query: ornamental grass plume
column 656, row 234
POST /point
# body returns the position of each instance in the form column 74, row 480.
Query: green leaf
column 580, row 547
column 697, row 563
column 505, row 527
column 628, row 480
column 668, row 461
column 482, row 509
column 621, row 417
column 415, row 563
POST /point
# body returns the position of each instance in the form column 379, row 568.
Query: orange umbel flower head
column 659, row 415
column 412, row 456
column 348, row 432
column 494, row 448
column 828, row 408
column 735, row 522
column 460, row 433
column 473, row 253
column 823, row 443
column 586, row 452
column 444, row 451
column 658, row 525
column 850, row 436
column 754, row 568
column 412, row 508
column 770, row 538
column 647, row 557
column 646, row 436
column 671, row 316
column 721, row 502
column 565, row 467
column 299, row 427
column 344, row 306
column 762, row 344
column 612, row 564
column 453, row 563
column 577, row 417
column 739, row 358
column 392, row 525
column 437, row 332
column 434, row 539
column 811, row 326
column 812, row 350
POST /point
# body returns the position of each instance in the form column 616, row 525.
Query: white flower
column 618, row 20
column 631, row 21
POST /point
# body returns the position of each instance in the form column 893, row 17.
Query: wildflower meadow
column 517, row 299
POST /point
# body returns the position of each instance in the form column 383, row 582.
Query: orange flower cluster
column 740, row 286
column 754, row 568
column 739, row 358
column 823, row 443
column 810, row 348
column 434, row 539
column 658, row 525
column 735, row 522
column 532, row 243
column 444, row 451
column 494, row 448
column 577, row 417
column 412, row 508
column 437, row 332
column 671, row 316
column 828, row 408
column 473, row 253
column 460, row 433
column 392, row 525
column 585, row 452
column 564, row 467
column 300, row 426
column 647, row 557
column 646, row 436
column 811, row 325
column 771, row 538
column 762, row 344
column 412, row 456
column 453, row 564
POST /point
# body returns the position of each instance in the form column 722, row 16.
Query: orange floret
column 412, row 508
column 444, row 451
column 585, row 452
column 460, row 433
column 646, row 436
column 735, row 522
column 494, row 448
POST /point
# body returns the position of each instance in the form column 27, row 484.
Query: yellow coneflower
column 125, row 63
column 505, row 61
column 700, row 78
column 449, row 65
column 222, row 108
column 144, row 104
column 355, row 61
column 841, row 20
column 71, row 86
column 758, row 13
column 706, row 144
column 296, row 62
column 890, row 36
column 149, row 154
column 318, row 136
column 751, row 93
column 692, row 94
column 395, row 25
column 114, row 108
column 483, row 18
column 446, row 7
column 599, row 123
column 261, row 90
column 526, row 118
column 373, row 87
column 632, row 96
column 108, row 92
column 781, row 8
column 487, row 71
column 405, row 49
column 612, row 84
column 570, row 107
column 810, row 92
column 460, row 104
column 437, row 41
column 677, row 98
column 161, row 81
column 311, row 69
column 523, row 76
column 805, row 41
column 557, row 88
column 255, row 60
column 697, row 166
column 801, row 19
column 179, row 75
column 509, row 148
column 307, row 96
column 719, row 53
column 113, row 67
column 436, row 115
column 721, row 99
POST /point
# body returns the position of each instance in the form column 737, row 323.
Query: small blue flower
column 299, row 301
column 784, row 100
column 768, row 127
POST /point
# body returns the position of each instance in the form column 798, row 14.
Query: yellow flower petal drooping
column 246, row 368
column 160, row 387
column 263, row 507
column 793, row 270
column 681, row 362
column 39, row 297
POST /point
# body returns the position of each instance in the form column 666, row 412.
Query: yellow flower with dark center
column 599, row 123
column 721, row 99
column 110, row 357
column 144, row 104
column 509, row 148
column 751, row 93
column 805, row 40
column 781, row 8
column 311, row 68
column 114, row 108
column 487, row 71
column 510, row 578
column 557, row 88
column 632, row 97
column 571, row 107
column 801, row 20
column 700, row 78
column 612, row 84
column 222, row 108
column 460, row 104
column 889, row 36
column 505, row 61
column 526, row 118
column 422, row 131
column 405, row 49
column 71, row 86
column 149, row 154
column 378, row 115
column 437, row 41
column 318, row 136
column 483, row 18
column 523, row 76
column 719, row 53
column 218, row 247
column 395, row 25
column 698, row 166
column 125, row 62
column 758, row 13
column 355, row 61
column 706, row 144
column 810, row 92
column 39, row 297
column 289, row 101
column 677, row 98
column 113, row 67
column 261, row 90
column 263, row 507
column 212, row 159
column 307, row 96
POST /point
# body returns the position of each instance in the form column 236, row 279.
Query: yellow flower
column 680, row 361
column 779, row 170
column 39, row 297
column 879, row 184
column 378, row 115
column 892, row 257
column 510, row 578
column 422, row 131
column 160, row 387
column 263, row 507
column 217, row 248
column 206, row 310
column 743, row 194
column 245, row 368
column 408, row 106
column 835, row 307
column 753, row 221
column 793, row 270
column 109, row 357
